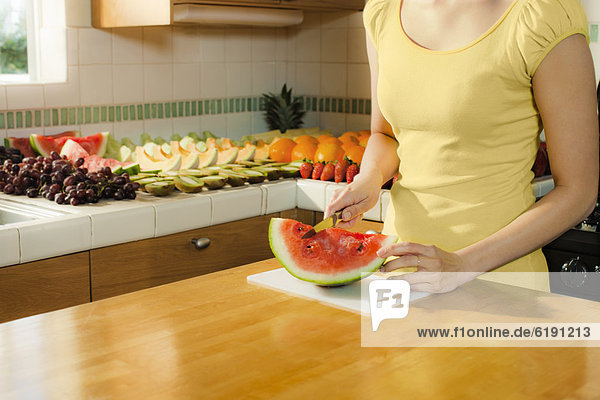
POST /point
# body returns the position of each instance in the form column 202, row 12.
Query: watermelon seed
column 361, row 247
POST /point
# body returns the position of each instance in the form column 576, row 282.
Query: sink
column 12, row 212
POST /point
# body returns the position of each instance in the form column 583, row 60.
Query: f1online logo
column 388, row 299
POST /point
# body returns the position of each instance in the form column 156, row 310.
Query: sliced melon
column 185, row 142
column 125, row 154
column 165, row 149
column 172, row 164
column 188, row 184
column 227, row 156
column 207, row 158
column 132, row 168
column 247, row 153
column 261, row 152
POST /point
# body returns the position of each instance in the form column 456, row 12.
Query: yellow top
column 466, row 122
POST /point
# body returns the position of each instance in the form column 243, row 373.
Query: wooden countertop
column 216, row 336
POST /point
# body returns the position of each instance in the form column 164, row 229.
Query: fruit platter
column 71, row 169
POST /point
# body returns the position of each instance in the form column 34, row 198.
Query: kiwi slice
column 169, row 174
column 272, row 173
column 234, row 178
column 275, row 164
column 140, row 176
column 198, row 172
column 214, row 181
column 188, row 184
column 249, row 163
column 254, row 176
column 290, row 172
column 160, row 188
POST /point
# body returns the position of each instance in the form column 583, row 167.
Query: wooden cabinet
column 42, row 286
column 123, row 13
column 139, row 265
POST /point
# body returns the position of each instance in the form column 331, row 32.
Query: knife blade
column 328, row 222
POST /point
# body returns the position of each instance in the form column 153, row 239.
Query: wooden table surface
column 216, row 336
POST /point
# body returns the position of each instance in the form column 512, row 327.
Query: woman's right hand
column 355, row 199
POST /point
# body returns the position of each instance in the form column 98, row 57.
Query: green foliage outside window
column 13, row 40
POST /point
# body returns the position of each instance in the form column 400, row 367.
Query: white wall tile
column 359, row 81
column 186, row 81
column 357, row 122
column 24, row 132
column 127, row 46
column 63, row 94
column 334, row 121
column 238, row 125
column 357, row 47
column 335, row 19
column 90, row 129
column 3, row 103
column 183, row 215
column 96, row 84
column 239, row 79
column 307, row 45
column 24, row 96
column 308, row 78
column 355, row 19
column 72, row 46
column 212, row 45
column 333, row 79
column 130, row 129
column 185, row 125
column 238, row 45
column 263, row 77
column 186, row 44
column 281, row 75
column 333, row 45
column 259, row 124
column 128, row 83
column 263, row 45
column 159, row 127
column 95, row 46
column 217, row 124
column 311, row 19
column 157, row 45
column 53, row 130
column 281, row 39
column 311, row 119
column 158, row 82
column 213, row 79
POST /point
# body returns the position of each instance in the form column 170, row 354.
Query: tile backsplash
column 164, row 80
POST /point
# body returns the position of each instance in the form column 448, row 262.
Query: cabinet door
column 42, row 286
column 138, row 265
column 356, row 5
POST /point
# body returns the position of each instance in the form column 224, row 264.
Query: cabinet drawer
column 139, row 265
column 42, row 286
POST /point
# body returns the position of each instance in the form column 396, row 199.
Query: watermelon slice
column 93, row 163
column 332, row 257
column 73, row 151
column 22, row 144
column 93, row 144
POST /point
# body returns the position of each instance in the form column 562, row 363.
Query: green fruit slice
column 160, row 188
column 214, row 181
column 189, row 184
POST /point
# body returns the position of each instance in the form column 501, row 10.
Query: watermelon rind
column 278, row 246
column 36, row 145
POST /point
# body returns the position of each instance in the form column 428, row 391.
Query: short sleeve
column 545, row 23
column 372, row 16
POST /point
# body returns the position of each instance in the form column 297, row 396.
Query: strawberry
column 340, row 170
column 317, row 170
column 351, row 172
column 328, row 172
column 306, row 170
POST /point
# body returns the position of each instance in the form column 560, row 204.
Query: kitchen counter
column 108, row 223
column 216, row 336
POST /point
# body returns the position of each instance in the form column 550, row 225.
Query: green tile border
column 96, row 114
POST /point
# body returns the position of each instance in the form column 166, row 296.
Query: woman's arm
column 379, row 163
column 564, row 90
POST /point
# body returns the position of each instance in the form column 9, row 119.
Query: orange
column 304, row 150
column 363, row 132
column 345, row 135
column 348, row 145
column 281, row 150
column 364, row 140
column 323, row 137
column 307, row 138
column 348, row 139
column 328, row 152
column 330, row 139
column 355, row 154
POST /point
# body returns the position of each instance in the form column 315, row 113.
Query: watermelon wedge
column 93, row 144
column 332, row 257
column 22, row 144
column 73, row 151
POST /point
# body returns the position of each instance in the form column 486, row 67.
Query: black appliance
column 574, row 258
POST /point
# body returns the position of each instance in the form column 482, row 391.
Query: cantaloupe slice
column 172, row 164
column 225, row 143
column 207, row 158
column 262, row 152
column 246, row 153
column 228, row 156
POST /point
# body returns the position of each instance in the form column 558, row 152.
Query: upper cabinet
column 122, row 13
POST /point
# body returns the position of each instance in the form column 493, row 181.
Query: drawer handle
column 201, row 243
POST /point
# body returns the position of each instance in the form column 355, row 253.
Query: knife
column 328, row 222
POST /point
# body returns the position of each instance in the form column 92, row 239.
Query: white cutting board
column 345, row 297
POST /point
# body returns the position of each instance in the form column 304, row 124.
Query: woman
column 460, row 92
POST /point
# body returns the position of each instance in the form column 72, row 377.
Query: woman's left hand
column 438, row 271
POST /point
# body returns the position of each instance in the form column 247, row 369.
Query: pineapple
column 282, row 111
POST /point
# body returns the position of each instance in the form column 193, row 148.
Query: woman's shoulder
column 542, row 24
column 373, row 15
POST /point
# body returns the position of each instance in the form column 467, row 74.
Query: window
column 32, row 41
